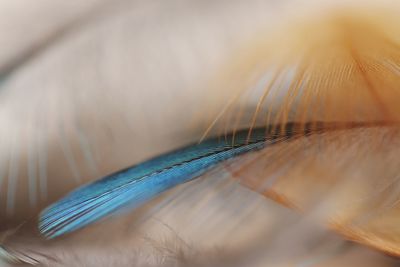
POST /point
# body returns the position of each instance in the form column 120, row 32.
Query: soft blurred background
column 90, row 87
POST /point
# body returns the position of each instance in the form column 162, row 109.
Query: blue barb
column 136, row 185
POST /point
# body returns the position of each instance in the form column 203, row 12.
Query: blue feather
column 136, row 185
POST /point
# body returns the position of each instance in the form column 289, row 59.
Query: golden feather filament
column 348, row 71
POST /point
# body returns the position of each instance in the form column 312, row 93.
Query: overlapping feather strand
column 343, row 65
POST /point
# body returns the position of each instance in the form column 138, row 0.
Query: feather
column 136, row 185
column 140, row 183
column 345, row 62
column 150, row 65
